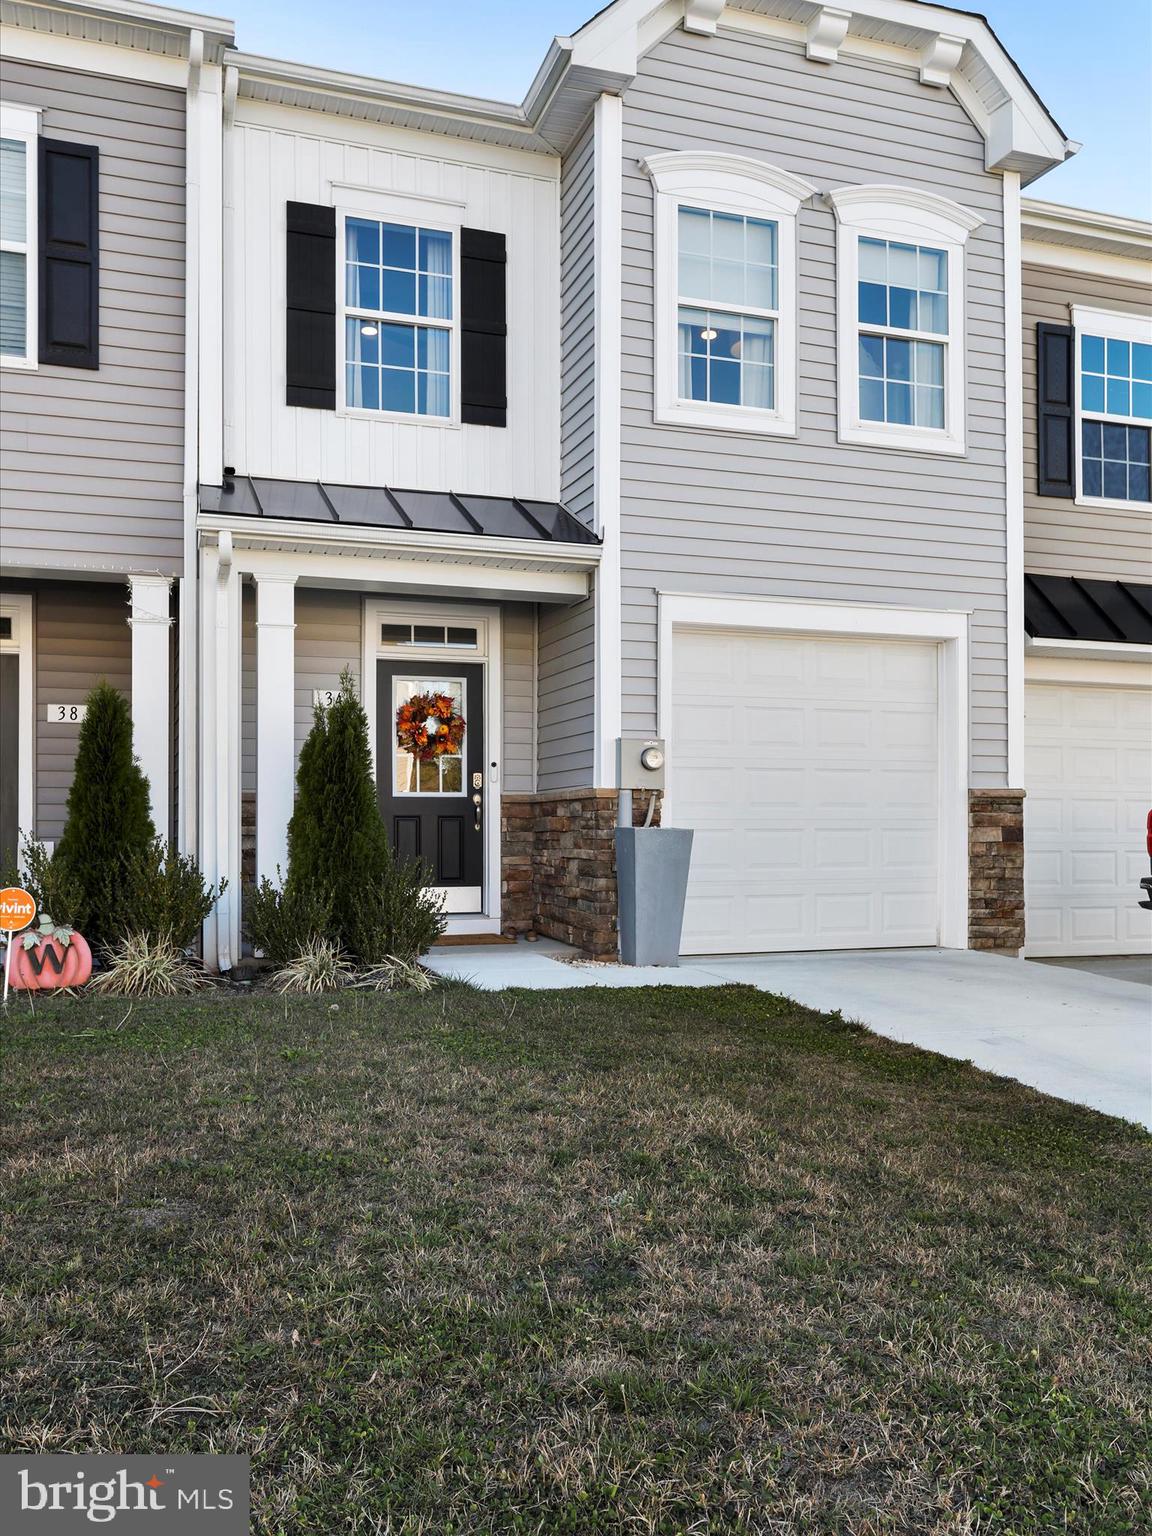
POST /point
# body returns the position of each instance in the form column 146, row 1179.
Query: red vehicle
column 1146, row 883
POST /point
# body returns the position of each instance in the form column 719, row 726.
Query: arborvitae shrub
column 109, row 822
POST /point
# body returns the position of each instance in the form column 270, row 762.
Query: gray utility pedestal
column 652, row 879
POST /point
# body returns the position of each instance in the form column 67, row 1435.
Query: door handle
column 477, row 801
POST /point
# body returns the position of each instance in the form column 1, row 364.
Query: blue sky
column 1091, row 64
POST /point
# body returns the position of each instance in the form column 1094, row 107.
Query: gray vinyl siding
column 566, row 696
column 92, row 461
column 1060, row 538
column 82, row 638
column 566, row 678
column 329, row 638
column 810, row 518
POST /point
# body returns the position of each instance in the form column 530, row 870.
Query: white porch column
column 150, row 623
column 275, row 720
column 220, row 747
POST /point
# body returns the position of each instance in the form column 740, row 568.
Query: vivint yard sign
column 189, row 1495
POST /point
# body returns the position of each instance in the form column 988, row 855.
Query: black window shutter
column 1055, row 409
column 311, row 306
column 483, row 328
column 69, row 235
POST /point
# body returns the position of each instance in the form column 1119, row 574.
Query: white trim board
column 947, row 627
column 608, row 238
column 18, row 607
column 1014, row 474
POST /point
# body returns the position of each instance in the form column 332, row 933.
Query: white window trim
column 23, row 123
column 489, row 653
column 947, row 628
column 916, row 218
column 725, row 184
column 424, row 214
column 1113, row 325
column 18, row 607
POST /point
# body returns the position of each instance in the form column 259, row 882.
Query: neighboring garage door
column 1088, row 776
column 809, row 770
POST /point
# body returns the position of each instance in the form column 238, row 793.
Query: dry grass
column 587, row 1262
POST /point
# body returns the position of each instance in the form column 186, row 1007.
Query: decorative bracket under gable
column 826, row 31
column 940, row 58
column 702, row 16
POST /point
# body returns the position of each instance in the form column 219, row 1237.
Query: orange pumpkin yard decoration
column 50, row 964
column 428, row 726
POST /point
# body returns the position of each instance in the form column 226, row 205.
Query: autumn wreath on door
column 428, row 726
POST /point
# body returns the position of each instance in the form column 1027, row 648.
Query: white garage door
column 1088, row 774
column 809, row 769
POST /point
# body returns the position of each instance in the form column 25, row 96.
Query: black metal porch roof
column 309, row 501
column 1073, row 608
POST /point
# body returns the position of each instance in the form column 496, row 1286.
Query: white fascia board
column 1089, row 263
column 1089, row 650
column 371, row 559
column 116, row 61
column 1057, row 223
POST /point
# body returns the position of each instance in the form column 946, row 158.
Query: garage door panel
column 1088, row 774
column 824, row 775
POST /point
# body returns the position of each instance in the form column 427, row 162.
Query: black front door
column 434, row 809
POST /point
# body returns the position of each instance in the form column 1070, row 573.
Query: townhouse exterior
column 712, row 394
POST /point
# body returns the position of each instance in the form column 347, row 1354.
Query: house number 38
column 65, row 714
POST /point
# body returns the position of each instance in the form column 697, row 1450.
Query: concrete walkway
column 1066, row 1032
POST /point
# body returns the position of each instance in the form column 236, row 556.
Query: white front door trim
column 17, row 606
column 275, row 721
column 489, row 654
column 947, row 627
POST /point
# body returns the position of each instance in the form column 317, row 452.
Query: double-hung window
column 728, row 274
column 400, row 308
column 18, row 132
column 1114, row 396
column 900, row 283
column 725, row 342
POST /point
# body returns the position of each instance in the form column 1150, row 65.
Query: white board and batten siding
column 278, row 155
column 93, row 459
column 1060, row 538
column 812, row 518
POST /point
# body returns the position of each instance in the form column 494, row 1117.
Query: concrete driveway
column 1069, row 1033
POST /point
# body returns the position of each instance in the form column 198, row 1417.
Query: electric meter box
column 642, row 762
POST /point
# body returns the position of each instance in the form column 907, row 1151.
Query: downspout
column 189, row 633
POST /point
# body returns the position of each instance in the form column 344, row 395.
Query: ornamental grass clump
column 393, row 975
column 319, row 967
column 148, row 965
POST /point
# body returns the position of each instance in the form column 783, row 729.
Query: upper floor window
column 18, row 131
column 901, row 318
column 725, row 342
column 399, row 317
column 1114, row 375
column 728, row 277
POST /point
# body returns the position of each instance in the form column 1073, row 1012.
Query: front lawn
column 656, row 1261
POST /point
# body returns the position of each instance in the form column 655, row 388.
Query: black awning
column 501, row 517
column 1074, row 608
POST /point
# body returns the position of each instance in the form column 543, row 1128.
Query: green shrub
column 398, row 918
column 283, row 920
column 109, row 823
column 52, row 885
column 337, row 840
column 165, row 894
